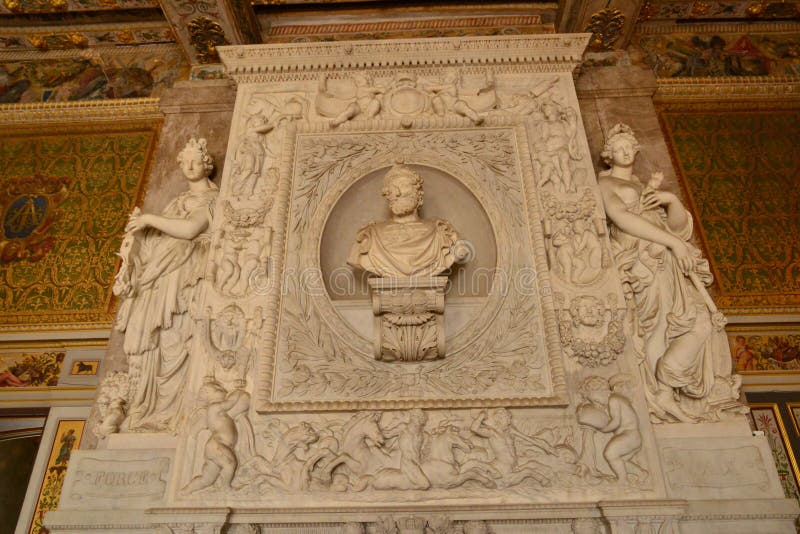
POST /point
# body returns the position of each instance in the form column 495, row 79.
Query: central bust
column 406, row 254
column 405, row 246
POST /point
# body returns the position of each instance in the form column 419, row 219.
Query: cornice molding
column 88, row 53
column 727, row 88
column 665, row 27
column 294, row 30
column 245, row 62
column 86, row 110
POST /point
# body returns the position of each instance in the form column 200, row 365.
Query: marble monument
column 294, row 366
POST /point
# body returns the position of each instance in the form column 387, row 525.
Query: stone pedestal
column 409, row 318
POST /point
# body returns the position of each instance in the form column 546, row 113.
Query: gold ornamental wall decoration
column 31, row 208
column 206, row 35
column 606, row 28
column 57, row 41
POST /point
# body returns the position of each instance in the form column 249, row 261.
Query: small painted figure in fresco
column 219, row 455
column 680, row 341
column 67, row 443
column 619, row 419
column 745, row 361
column 9, row 379
column 164, row 258
column 11, row 90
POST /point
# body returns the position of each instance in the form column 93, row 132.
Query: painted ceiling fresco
column 132, row 72
column 740, row 170
column 725, row 54
column 717, row 10
column 57, row 250
column 60, row 6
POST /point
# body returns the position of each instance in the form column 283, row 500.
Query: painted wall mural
column 30, row 369
column 740, row 169
column 715, row 9
column 64, row 200
column 59, row 6
column 22, row 38
column 67, row 439
column 767, row 418
column 756, row 349
column 726, row 54
column 92, row 75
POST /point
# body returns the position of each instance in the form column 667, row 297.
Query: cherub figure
column 447, row 97
column 219, row 455
column 609, row 411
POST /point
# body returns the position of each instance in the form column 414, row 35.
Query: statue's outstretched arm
column 172, row 226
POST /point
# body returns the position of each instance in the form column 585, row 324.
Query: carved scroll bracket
column 409, row 318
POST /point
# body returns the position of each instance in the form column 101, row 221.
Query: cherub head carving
column 194, row 159
column 402, row 188
column 621, row 146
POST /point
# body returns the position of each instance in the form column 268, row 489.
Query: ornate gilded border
column 728, row 91
column 657, row 27
column 784, row 436
column 105, row 111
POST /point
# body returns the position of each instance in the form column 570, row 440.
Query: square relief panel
column 500, row 343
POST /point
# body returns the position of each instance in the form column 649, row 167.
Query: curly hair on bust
column 617, row 132
column 402, row 171
column 197, row 146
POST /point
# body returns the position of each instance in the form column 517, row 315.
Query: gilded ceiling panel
column 740, row 170
column 64, row 196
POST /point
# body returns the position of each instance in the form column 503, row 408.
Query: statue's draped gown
column 156, row 319
column 668, row 306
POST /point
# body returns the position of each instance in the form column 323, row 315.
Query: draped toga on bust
column 395, row 249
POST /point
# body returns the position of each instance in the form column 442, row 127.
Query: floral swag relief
column 163, row 261
column 678, row 333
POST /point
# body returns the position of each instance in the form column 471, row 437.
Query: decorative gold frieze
column 59, row 40
column 728, row 88
column 90, row 111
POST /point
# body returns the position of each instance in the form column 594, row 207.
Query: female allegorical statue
column 678, row 331
column 164, row 257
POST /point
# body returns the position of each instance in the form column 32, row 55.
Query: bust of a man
column 406, row 245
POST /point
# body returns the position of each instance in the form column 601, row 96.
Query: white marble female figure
column 164, row 257
column 682, row 344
